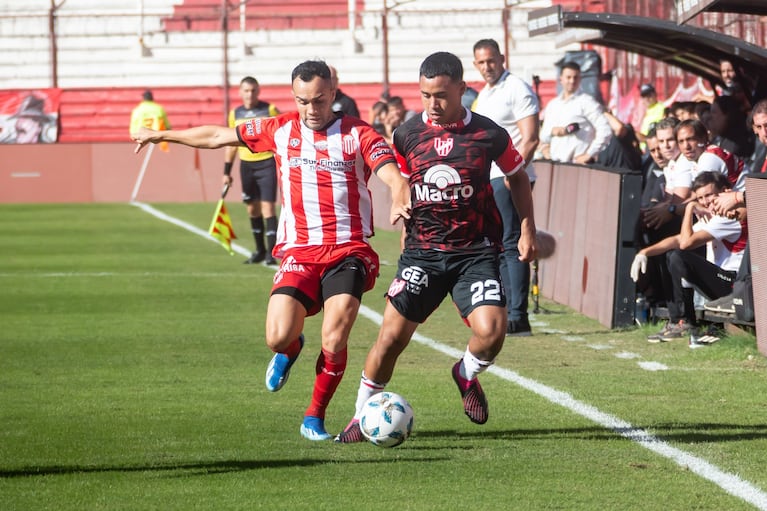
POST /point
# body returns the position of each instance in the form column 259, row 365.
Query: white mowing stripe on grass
column 730, row 483
column 189, row 227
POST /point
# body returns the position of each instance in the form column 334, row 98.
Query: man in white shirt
column 713, row 275
column 574, row 127
column 512, row 104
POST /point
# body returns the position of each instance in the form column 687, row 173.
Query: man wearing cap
column 32, row 125
column 654, row 110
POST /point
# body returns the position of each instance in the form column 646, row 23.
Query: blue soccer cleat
column 313, row 428
column 278, row 370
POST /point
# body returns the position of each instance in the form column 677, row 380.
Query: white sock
column 471, row 366
column 367, row 389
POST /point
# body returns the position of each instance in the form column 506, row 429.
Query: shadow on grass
column 679, row 433
column 204, row 468
column 684, row 433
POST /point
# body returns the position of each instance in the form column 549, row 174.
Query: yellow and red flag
column 159, row 124
column 221, row 227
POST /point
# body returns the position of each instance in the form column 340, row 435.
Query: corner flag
column 221, row 226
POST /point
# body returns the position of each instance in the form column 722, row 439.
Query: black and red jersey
column 448, row 167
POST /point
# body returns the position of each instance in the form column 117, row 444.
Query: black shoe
column 255, row 257
column 270, row 260
column 518, row 328
column 722, row 305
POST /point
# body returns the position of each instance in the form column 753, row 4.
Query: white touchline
column 730, row 483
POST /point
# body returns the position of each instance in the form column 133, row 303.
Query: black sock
column 271, row 232
column 257, row 227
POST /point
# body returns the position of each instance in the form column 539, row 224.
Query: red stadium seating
column 103, row 114
column 205, row 15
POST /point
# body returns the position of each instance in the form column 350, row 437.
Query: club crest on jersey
column 349, row 144
column 443, row 147
column 294, row 142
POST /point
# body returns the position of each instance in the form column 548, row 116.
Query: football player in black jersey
column 453, row 237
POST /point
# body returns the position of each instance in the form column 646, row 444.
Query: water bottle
column 641, row 311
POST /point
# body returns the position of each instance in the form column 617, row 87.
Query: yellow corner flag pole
column 221, row 226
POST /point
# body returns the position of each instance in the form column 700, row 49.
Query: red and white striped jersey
column 323, row 177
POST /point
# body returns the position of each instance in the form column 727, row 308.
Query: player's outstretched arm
column 400, row 191
column 204, row 137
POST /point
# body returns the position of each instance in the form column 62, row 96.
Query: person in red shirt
column 453, row 238
column 324, row 160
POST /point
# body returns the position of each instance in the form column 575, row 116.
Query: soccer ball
column 387, row 419
column 546, row 244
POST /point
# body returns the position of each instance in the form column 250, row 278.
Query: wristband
column 228, row 168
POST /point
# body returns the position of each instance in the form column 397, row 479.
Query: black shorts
column 425, row 277
column 259, row 180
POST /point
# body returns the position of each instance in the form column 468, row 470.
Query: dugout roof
column 687, row 9
column 693, row 49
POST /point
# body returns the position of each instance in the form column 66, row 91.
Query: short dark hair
column 698, row 129
column 570, row 65
column 718, row 179
column 147, row 95
column 250, row 81
column 309, row 70
column 487, row 43
column 442, row 63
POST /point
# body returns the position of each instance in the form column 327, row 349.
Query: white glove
column 638, row 266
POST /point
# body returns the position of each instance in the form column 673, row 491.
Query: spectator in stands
column 343, row 102
column 258, row 174
column 729, row 127
column 149, row 114
column 683, row 110
column 653, row 182
column 759, row 126
column 736, row 85
column 728, row 204
column 574, row 127
column 692, row 139
column 654, row 110
column 396, row 114
column 622, row 152
column 675, row 179
column 713, row 275
column 512, row 103
column 654, row 282
column 377, row 116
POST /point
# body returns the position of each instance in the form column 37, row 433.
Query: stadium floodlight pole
column 54, row 46
column 225, row 46
column 385, row 41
